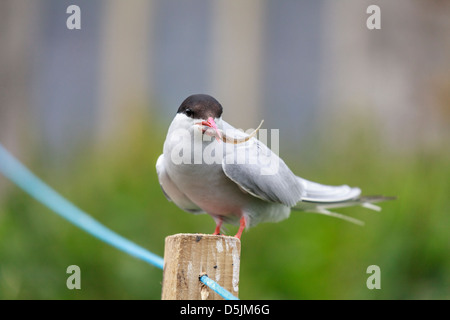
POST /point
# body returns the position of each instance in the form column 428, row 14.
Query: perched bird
column 208, row 166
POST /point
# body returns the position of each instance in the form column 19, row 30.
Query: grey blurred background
column 296, row 64
column 88, row 109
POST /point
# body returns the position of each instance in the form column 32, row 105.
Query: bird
column 208, row 166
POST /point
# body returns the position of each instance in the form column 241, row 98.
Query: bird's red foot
column 241, row 228
column 218, row 226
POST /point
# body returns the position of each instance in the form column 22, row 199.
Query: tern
column 208, row 166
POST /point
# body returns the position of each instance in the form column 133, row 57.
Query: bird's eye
column 189, row 112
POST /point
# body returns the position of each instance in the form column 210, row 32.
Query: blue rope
column 35, row 187
column 25, row 179
column 217, row 288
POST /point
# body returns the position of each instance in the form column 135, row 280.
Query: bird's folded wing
column 260, row 172
column 316, row 192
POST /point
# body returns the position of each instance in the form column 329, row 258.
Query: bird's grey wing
column 321, row 198
column 171, row 191
column 316, row 192
column 260, row 172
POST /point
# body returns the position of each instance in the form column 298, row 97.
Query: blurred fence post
column 189, row 256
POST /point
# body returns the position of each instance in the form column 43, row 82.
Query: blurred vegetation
column 307, row 256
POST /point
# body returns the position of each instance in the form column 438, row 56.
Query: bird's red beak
column 211, row 123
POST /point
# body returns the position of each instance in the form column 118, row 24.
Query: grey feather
column 260, row 172
column 316, row 192
column 171, row 191
column 323, row 207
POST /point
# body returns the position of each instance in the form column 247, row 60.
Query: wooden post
column 189, row 256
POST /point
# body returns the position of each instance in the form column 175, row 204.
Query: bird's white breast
column 194, row 163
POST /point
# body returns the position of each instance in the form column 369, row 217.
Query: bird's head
column 202, row 111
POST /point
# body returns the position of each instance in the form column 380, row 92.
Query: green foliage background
column 307, row 256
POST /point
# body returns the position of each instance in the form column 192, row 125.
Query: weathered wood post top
column 189, row 256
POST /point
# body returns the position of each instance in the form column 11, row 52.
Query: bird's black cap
column 201, row 106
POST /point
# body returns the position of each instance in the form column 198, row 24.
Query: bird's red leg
column 218, row 226
column 241, row 228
